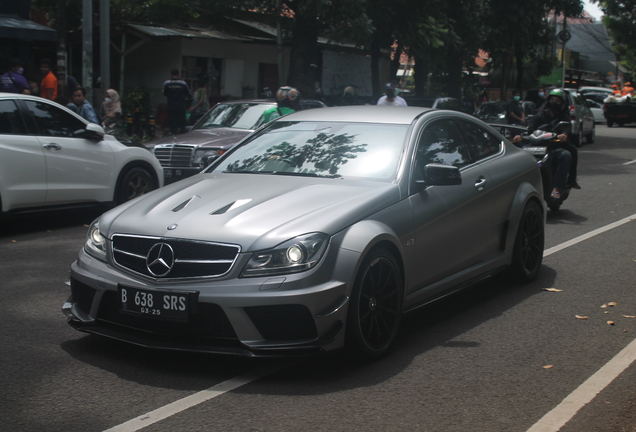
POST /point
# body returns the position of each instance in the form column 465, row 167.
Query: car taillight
column 573, row 112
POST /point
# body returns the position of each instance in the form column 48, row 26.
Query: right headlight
column 95, row 244
column 204, row 157
column 295, row 255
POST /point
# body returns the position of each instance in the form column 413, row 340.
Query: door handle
column 53, row 147
column 480, row 183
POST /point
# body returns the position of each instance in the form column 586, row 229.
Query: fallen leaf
column 612, row 304
column 548, row 366
column 581, row 316
column 603, row 306
column 14, row 241
column 611, row 322
column 606, row 312
column 552, row 289
column 629, row 316
column 625, row 331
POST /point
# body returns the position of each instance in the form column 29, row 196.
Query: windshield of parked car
column 237, row 115
column 320, row 149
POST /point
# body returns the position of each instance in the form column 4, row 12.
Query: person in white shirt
column 390, row 97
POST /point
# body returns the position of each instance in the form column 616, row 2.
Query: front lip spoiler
column 224, row 346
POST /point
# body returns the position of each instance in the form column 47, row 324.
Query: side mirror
column 440, row 175
column 93, row 132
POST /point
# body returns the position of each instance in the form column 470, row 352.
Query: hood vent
column 185, row 203
column 231, row 206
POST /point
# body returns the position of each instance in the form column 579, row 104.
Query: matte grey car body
column 315, row 233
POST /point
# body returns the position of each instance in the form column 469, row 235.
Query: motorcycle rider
column 287, row 100
column 566, row 157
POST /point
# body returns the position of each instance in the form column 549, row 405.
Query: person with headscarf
column 111, row 110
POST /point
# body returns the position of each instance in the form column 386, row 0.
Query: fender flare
column 525, row 193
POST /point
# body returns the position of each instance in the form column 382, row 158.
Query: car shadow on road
column 564, row 217
column 29, row 223
column 436, row 325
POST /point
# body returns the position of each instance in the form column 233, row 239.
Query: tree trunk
column 454, row 81
column 375, row 69
column 302, row 63
column 420, row 73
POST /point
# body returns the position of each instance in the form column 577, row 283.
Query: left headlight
column 204, row 157
column 298, row 254
column 95, row 244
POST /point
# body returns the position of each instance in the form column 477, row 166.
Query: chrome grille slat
column 192, row 259
column 175, row 155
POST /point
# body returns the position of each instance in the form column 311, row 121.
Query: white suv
column 51, row 157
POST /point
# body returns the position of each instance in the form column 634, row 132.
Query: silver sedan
column 316, row 233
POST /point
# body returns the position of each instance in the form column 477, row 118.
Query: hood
column 215, row 137
column 254, row 211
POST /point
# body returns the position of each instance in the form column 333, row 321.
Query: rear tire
column 529, row 243
column 577, row 139
column 136, row 182
column 375, row 308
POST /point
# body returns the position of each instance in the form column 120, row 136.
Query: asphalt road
column 497, row 357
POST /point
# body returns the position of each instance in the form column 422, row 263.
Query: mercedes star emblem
column 160, row 259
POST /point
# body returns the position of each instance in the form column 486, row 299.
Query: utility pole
column 279, row 43
column 87, row 48
column 61, row 49
column 104, row 44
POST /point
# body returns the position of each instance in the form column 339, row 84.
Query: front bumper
column 298, row 314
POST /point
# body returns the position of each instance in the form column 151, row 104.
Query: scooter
column 542, row 145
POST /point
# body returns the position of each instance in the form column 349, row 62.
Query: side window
column 10, row 119
column 481, row 143
column 53, row 121
column 440, row 143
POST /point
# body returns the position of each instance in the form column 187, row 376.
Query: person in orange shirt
column 628, row 90
column 48, row 86
column 616, row 91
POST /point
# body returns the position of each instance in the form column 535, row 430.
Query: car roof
column 595, row 89
column 361, row 114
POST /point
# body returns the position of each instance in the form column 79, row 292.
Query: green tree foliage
column 620, row 19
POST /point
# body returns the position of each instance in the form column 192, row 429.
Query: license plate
column 172, row 173
column 159, row 304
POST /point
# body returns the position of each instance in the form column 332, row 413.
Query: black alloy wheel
column 376, row 305
column 136, row 182
column 529, row 243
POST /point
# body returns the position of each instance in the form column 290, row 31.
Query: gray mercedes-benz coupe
column 317, row 232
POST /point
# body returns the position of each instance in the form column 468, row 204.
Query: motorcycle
column 542, row 145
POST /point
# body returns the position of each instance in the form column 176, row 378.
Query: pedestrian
column 13, row 81
column 176, row 92
column 34, row 88
column 390, row 98
column 48, row 86
column 514, row 112
column 82, row 107
column 200, row 100
column 111, row 113
column 540, row 99
column 71, row 86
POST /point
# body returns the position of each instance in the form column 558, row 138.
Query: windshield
column 321, row 149
column 239, row 115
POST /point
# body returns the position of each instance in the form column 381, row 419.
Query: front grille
column 208, row 322
column 179, row 258
column 175, row 155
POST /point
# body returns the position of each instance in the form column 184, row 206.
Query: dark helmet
column 287, row 96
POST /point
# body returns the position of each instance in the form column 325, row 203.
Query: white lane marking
column 630, row 162
column 182, row 404
column 188, row 402
column 591, row 234
column 562, row 413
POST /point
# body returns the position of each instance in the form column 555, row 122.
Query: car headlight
column 293, row 256
column 204, row 157
column 95, row 244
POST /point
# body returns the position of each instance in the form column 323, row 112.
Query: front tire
column 375, row 308
column 577, row 139
column 592, row 136
column 529, row 243
column 136, row 182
